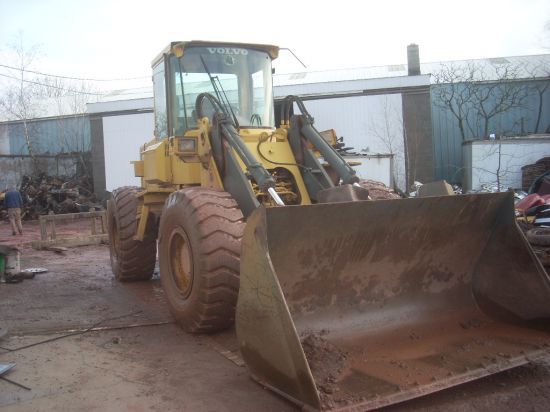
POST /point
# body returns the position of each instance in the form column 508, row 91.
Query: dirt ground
column 137, row 359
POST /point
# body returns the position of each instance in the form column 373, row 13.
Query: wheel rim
column 181, row 262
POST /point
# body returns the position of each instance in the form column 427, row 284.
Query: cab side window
column 180, row 112
column 159, row 88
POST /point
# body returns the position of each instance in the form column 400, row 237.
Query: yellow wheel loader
column 339, row 301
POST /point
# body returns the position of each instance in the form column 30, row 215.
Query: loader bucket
column 363, row 304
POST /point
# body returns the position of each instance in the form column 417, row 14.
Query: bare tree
column 386, row 126
column 494, row 98
column 28, row 93
column 453, row 95
column 69, row 99
column 498, row 173
column 476, row 97
column 18, row 100
column 497, row 165
column 538, row 87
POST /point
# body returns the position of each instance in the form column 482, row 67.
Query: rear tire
column 199, row 256
column 131, row 260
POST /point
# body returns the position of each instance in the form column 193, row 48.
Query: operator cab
column 238, row 75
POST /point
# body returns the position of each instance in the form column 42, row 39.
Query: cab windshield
column 242, row 76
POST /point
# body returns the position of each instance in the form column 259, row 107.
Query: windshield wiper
column 222, row 97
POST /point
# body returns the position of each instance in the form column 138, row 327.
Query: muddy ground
column 137, row 359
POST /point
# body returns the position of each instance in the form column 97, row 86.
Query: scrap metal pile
column 44, row 194
column 533, row 209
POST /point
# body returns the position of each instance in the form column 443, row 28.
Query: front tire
column 199, row 256
column 131, row 260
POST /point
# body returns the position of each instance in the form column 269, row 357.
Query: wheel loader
column 339, row 302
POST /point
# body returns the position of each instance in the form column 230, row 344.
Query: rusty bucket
column 364, row 304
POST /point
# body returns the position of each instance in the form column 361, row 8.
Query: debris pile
column 43, row 194
column 378, row 190
column 533, row 208
column 327, row 364
column 344, row 150
column 530, row 173
column 415, row 190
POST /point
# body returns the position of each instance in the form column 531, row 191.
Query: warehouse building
column 395, row 117
column 351, row 104
column 371, row 108
column 397, row 109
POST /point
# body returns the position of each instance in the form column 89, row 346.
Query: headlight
column 187, row 145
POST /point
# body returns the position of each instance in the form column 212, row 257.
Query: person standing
column 13, row 202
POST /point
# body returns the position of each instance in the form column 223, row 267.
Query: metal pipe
column 275, row 197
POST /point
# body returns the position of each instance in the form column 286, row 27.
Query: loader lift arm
column 319, row 184
column 227, row 130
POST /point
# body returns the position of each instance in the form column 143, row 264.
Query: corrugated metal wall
column 14, row 167
column 60, row 135
column 518, row 121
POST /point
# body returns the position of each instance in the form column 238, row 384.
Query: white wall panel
column 487, row 159
column 378, row 168
column 122, row 138
column 370, row 124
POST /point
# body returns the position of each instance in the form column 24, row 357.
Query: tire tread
column 136, row 259
column 219, row 225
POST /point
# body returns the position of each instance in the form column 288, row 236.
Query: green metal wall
column 517, row 121
column 50, row 136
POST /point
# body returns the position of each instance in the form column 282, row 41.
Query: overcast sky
column 113, row 39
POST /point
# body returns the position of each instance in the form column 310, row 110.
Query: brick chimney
column 413, row 60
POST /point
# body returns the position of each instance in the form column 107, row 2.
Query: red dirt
column 161, row 368
column 147, row 363
column 327, row 362
column 31, row 232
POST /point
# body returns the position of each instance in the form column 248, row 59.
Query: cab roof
column 178, row 47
